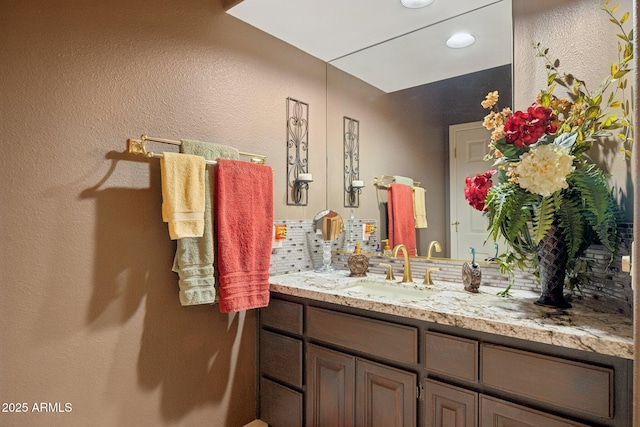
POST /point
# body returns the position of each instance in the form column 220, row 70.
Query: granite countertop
column 581, row 327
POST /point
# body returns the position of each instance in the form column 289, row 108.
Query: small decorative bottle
column 471, row 274
column 358, row 263
column 387, row 249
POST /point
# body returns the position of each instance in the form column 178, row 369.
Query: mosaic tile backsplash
column 302, row 251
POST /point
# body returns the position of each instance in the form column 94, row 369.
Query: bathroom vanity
column 332, row 352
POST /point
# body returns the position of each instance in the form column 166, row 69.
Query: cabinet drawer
column 279, row 405
column 281, row 357
column 375, row 337
column 495, row 412
column 573, row 385
column 283, row 315
column 449, row 355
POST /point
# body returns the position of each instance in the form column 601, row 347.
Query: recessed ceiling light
column 415, row 4
column 460, row 40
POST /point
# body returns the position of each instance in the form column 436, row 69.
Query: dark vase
column 552, row 266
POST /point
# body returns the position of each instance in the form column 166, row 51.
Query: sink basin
column 393, row 290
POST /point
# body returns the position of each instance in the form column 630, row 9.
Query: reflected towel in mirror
column 420, row 207
column 401, row 221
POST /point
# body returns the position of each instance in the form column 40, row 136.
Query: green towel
column 402, row 180
column 194, row 255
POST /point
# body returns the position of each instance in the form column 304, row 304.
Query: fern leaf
column 572, row 225
column 543, row 218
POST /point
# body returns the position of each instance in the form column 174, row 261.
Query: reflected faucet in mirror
column 406, row 276
column 434, row 244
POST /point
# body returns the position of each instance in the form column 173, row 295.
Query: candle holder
column 351, row 148
column 301, row 184
column 298, row 178
column 354, row 190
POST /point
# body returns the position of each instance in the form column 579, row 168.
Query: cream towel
column 419, row 207
column 183, row 194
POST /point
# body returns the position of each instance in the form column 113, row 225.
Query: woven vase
column 552, row 265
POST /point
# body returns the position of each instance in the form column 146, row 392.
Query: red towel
column 402, row 226
column 244, row 221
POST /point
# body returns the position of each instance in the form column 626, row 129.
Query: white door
column 468, row 144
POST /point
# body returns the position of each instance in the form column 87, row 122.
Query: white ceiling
column 385, row 44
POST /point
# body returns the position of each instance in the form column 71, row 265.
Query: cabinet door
column 449, row 406
column 385, row 396
column 330, row 388
column 498, row 413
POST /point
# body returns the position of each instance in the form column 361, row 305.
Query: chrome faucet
column 434, row 244
column 406, row 277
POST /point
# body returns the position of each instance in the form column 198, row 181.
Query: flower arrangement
column 542, row 173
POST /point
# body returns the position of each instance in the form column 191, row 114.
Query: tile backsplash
column 302, row 251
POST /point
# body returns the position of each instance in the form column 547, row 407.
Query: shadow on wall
column 195, row 354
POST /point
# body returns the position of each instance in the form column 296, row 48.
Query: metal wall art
column 351, row 146
column 298, row 178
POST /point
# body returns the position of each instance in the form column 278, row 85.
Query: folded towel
column 402, row 180
column 401, row 222
column 244, row 225
column 420, row 207
column 194, row 256
column 182, row 177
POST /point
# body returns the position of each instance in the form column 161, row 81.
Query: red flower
column 525, row 128
column 476, row 189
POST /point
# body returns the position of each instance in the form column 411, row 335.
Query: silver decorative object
column 351, row 147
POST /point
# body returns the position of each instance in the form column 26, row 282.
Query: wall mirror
column 404, row 122
column 405, row 113
column 391, row 69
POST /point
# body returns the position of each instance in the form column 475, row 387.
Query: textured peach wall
column 89, row 308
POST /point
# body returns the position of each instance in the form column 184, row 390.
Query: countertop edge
column 587, row 332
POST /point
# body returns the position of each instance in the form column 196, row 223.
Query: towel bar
column 137, row 147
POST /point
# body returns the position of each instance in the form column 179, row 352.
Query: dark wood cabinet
column 330, row 387
column 323, row 365
column 281, row 364
column 449, row 406
column 280, row 406
column 498, row 413
column 345, row 390
column 385, row 396
column 569, row 384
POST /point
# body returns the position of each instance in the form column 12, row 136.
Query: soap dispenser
column 387, row 248
column 358, row 263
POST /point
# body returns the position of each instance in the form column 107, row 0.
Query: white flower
column 544, row 169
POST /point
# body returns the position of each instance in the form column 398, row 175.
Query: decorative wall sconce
column 351, row 146
column 298, row 178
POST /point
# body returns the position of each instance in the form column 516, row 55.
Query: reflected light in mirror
column 415, row 4
column 460, row 40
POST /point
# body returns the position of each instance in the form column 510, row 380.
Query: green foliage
column 584, row 211
column 595, row 117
